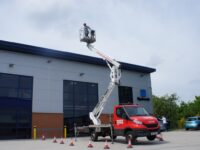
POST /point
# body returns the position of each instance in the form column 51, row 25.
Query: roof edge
column 35, row 50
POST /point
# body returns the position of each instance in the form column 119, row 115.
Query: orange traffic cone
column 71, row 142
column 54, row 140
column 62, row 142
column 159, row 137
column 106, row 146
column 129, row 144
column 90, row 145
column 43, row 137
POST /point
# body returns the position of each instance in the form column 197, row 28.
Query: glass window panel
column 7, row 80
column 8, row 133
column 91, row 108
column 82, row 121
column 68, row 86
column 125, row 95
column 120, row 112
column 81, row 117
column 25, row 82
column 68, row 99
column 69, row 122
column 80, row 100
column 92, row 100
column 80, row 88
column 92, row 88
column 8, row 118
column 68, row 113
column 78, row 112
column 7, row 92
column 84, row 97
column 23, row 118
column 25, row 94
column 24, row 133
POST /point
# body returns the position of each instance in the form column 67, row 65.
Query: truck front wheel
column 94, row 136
column 114, row 137
column 151, row 137
column 129, row 136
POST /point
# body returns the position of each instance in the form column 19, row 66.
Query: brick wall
column 48, row 124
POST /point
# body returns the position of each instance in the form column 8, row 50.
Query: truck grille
column 151, row 125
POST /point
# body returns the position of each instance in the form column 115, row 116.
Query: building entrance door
column 15, row 119
column 79, row 99
column 15, row 106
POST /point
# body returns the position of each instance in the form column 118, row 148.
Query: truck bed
column 100, row 126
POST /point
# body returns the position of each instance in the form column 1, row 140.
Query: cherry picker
column 131, row 121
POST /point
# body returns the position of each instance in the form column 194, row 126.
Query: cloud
column 195, row 82
column 160, row 34
column 155, row 61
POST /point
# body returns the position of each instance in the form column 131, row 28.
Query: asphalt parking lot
column 173, row 140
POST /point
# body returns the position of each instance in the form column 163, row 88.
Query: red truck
column 130, row 121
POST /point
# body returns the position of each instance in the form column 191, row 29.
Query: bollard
column 65, row 132
column 34, row 132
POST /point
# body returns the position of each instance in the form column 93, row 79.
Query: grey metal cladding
column 34, row 50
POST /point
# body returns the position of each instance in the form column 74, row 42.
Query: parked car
column 192, row 123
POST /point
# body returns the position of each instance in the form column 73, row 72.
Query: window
column 120, row 112
column 15, row 106
column 9, row 81
column 136, row 111
column 16, row 86
column 125, row 95
column 79, row 98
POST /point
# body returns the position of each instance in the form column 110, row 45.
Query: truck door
column 120, row 119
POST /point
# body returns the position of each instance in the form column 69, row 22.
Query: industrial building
column 49, row 89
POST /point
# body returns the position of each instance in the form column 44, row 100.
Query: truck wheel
column 114, row 137
column 129, row 136
column 94, row 136
column 151, row 137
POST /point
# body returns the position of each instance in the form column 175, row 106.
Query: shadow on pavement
column 137, row 142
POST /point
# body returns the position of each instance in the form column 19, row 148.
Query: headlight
column 137, row 122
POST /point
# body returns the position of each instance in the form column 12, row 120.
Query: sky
column 161, row 34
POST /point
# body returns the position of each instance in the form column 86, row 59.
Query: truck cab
column 134, row 121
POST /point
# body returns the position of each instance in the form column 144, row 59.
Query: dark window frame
column 125, row 94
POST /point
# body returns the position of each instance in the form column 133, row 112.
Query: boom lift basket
column 90, row 38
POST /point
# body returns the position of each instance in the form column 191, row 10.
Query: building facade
column 49, row 89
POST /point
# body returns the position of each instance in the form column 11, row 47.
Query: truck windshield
column 136, row 111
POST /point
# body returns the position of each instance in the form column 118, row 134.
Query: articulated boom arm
column 88, row 35
column 105, row 57
column 115, row 76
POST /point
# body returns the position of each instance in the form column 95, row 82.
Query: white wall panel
column 48, row 79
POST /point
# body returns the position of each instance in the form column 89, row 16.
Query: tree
column 196, row 106
column 191, row 108
column 167, row 106
column 175, row 112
